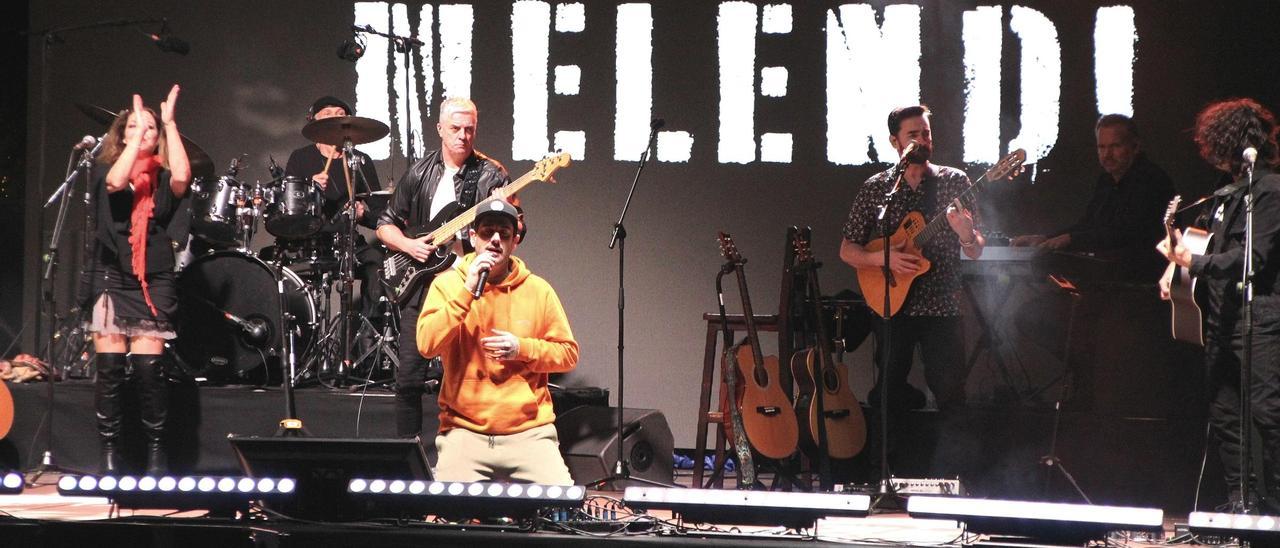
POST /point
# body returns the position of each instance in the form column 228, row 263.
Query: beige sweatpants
column 529, row 456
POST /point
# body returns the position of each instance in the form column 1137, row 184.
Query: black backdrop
column 254, row 67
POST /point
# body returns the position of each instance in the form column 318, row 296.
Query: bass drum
column 228, row 320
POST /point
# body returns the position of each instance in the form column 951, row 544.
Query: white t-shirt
column 444, row 191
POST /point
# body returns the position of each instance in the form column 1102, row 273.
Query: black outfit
column 111, row 273
column 1219, row 270
column 410, row 207
column 307, row 161
column 930, row 316
column 1122, row 220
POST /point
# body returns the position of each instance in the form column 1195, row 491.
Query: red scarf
column 143, row 177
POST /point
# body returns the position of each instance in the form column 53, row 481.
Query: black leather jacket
column 411, row 202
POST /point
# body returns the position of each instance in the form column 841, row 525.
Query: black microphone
column 171, row 44
column 484, row 278
column 255, row 330
column 88, row 141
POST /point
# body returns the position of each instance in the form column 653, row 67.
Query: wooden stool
column 737, row 323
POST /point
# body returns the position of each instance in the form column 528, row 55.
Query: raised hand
column 167, row 106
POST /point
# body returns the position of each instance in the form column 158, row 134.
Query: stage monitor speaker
column 322, row 468
column 589, row 443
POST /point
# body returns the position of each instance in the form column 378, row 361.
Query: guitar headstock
column 545, row 167
column 728, row 249
column 1171, row 211
column 1008, row 167
column 800, row 245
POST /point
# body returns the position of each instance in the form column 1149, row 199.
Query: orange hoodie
column 484, row 395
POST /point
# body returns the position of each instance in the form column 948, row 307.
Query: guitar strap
column 467, row 197
column 929, row 202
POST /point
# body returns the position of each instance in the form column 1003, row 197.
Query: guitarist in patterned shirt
column 468, row 177
column 930, row 316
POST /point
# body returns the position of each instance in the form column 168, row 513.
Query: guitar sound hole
column 761, row 376
column 830, row 379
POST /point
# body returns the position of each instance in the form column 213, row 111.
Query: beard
column 920, row 155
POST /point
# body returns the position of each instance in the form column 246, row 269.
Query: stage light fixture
column 1258, row 529
column 217, row 494
column 11, row 483
column 764, row 508
column 1049, row 521
column 464, row 499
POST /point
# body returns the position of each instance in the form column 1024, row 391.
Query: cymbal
column 201, row 164
column 335, row 130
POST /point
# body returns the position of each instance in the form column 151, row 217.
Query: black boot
column 108, row 400
column 153, row 398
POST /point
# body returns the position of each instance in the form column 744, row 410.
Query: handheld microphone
column 484, row 279
column 88, row 141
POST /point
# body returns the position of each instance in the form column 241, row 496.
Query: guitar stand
column 706, row 416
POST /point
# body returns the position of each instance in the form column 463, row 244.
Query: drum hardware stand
column 383, row 352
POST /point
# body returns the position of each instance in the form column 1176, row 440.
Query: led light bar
column 465, row 499
column 178, row 492
column 1241, row 526
column 795, row 510
column 11, row 483
column 1070, row 523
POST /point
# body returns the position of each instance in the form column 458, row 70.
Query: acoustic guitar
column 766, row 412
column 912, row 235
column 830, row 415
column 1187, row 317
column 402, row 274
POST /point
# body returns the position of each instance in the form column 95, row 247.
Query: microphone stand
column 886, row 489
column 402, row 45
column 48, row 283
column 1246, row 358
column 621, row 470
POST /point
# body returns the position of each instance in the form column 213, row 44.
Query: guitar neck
column 748, row 316
column 938, row 223
column 448, row 229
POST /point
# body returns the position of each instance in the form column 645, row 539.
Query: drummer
column 326, row 165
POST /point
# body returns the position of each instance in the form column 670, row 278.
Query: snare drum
column 293, row 209
column 214, row 208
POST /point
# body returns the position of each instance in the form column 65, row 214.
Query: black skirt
column 129, row 309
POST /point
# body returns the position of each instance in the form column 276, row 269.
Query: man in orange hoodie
column 499, row 335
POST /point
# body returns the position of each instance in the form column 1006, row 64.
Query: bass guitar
column 403, row 275
column 766, row 412
column 912, row 235
column 1186, row 314
column 830, row 415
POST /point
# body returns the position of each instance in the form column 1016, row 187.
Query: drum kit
column 248, row 317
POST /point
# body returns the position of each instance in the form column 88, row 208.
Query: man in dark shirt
column 455, row 173
column 930, row 316
column 1129, row 199
column 326, row 166
column 1223, row 131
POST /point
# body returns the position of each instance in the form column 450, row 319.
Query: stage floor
column 40, row 517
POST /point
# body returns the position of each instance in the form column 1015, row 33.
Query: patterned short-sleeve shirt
column 936, row 292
